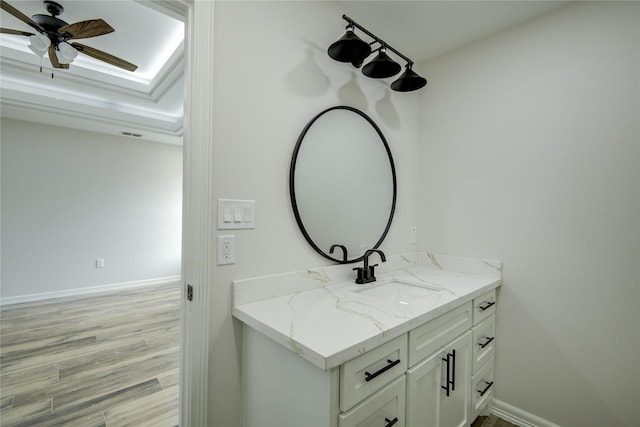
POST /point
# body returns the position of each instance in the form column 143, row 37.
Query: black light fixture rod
column 376, row 38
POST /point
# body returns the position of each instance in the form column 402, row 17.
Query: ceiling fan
column 55, row 35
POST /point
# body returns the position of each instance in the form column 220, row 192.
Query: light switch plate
column 413, row 234
column 236, row 214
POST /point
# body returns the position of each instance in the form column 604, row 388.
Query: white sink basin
column 399, row 292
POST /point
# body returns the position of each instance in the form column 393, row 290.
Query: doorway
column 184, row 8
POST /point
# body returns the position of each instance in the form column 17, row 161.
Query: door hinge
column 189, row 292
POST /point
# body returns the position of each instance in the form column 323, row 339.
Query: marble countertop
column 327, row 320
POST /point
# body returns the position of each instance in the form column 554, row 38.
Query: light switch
column 226, row 216
column 248, row 215
column 236, row 214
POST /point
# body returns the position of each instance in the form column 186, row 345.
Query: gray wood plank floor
column 109, row 359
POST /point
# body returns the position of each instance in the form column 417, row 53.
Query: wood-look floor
column 111, row 359
column 491, row 421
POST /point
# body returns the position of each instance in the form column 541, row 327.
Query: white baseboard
column 517, row 416
column 89, row 290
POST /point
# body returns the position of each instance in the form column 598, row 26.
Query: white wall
column 272, row 75
column 530, row 145
column 70, row 197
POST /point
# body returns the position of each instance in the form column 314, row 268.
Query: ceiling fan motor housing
column 50, row 23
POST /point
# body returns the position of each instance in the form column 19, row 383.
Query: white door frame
column 198, row 213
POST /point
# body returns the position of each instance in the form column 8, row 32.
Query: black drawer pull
column 488, row 304
column 486, row 343
column 391, row 364
column 486, row 389
column 391, row 422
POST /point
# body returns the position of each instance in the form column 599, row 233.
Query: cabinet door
column 481, row 389
column 454, row 408
column 484, row 306
column 424, row 393
column 438, row 388
column 483, row 347
column 385, row 408
column 369, row 372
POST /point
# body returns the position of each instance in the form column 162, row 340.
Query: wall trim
column 198, row 215
column 518, row 416
column 88, row 290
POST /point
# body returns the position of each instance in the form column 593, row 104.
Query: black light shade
column 382, row 66
column 409, row 81
column 349, row 48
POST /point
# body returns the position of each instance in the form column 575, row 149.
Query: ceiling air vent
column 131, row 134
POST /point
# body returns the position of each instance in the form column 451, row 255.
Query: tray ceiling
column 94, row 95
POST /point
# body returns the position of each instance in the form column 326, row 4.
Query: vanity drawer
column 430, row 337
column 368, row 373
column 481, row 389
column 385, row 407
column 484, row 306
column 483, row 342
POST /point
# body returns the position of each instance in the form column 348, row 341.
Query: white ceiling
column 425, row 29
column 96, row 96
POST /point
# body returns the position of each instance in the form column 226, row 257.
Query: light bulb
column 39, row 44
column 66, row 53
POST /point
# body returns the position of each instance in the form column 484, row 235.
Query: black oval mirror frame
column 294, row 201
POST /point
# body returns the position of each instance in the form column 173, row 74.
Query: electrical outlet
column 226, row 250
column 413, row 234
column 100, row 263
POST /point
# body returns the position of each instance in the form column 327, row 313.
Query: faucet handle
column 359, row 274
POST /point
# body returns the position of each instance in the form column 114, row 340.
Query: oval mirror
column 342, row 183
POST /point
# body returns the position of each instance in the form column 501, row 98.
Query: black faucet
column 344, row 251
column 366, row 274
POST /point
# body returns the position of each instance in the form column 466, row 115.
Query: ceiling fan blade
column 106, row 57
column 86, row 29
column 21, row 16
column 16, row 32
column 54, row 58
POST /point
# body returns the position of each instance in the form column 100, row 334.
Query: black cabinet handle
column 451, row 372
column 390, row 422
column 488, row 304
column 391, row 364
column 486, row 389
column 448, row 380
column 486, row 343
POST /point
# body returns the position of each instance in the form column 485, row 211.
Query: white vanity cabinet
column 439, row 374
column 282, row 389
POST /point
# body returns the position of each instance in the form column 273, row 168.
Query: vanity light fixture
column 351, row 48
